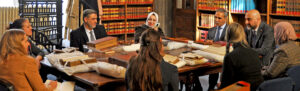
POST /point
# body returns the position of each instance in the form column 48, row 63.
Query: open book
column 65, row 86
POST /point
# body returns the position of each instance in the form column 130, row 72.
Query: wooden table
column 96, row 82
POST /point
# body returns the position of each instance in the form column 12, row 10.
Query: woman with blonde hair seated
column 242, row 64
column 16, row 66
column 148, row 71
column 287, row 53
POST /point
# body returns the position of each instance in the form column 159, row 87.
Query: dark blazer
column 79, row 36
column 212, row 32
column 140, row 29
column 34, row 50
column 242, row 64
column 169, row 74
column 265, row 43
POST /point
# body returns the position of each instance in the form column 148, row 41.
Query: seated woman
column 287, row 53
column 242, row 64
column 25, row 25
column 16, row 66
column 151, row 22
column 33, row 50
column 148, row 71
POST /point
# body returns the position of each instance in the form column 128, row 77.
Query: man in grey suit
column 260, row 36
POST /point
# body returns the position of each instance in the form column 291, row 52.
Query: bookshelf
column 272, row 11
column 120, row 17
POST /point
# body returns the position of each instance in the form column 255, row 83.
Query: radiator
column 7, row 15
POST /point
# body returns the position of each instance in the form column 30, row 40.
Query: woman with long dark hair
column 148, row 71
column 242, row 64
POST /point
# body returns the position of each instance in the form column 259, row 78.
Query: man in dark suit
column 217, row 33
column 89, row 31
column 260, row 36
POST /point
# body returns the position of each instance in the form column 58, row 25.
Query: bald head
column 252, row 19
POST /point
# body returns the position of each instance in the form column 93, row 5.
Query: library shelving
column 120, row 17
column 45, row 17
column 272, row 11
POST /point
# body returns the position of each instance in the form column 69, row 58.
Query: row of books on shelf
column 113, row 13
column 119, row 13
column 295, row 23
column 242, row 6
column 127, row 1
column 287, row 7
column 212, row 4
column 41, row 8
column 119, row 27
column 207, row 20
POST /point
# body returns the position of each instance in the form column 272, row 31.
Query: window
column 9, row 3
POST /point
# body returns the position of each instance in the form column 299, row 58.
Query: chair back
column 294, row 73
column 278, row 84
column 5, row 85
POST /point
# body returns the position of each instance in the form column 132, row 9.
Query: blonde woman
column 242, row 64
column 16, row 66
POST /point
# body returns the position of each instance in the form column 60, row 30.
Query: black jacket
column 140, row 29
column 34, row 50
column 169, row 74
column 242, row 64
column 265, row 43
column 79, row 36
column 212, row 32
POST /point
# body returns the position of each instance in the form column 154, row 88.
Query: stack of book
column 207, row 20
column 138, row 12
column 103, row 42
column 212, row 4
column 113, row 13
column 287, row 7
column 242, row 6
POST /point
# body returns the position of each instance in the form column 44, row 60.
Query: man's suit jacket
column 212, row 32
column 80, row 38
column 264, row 43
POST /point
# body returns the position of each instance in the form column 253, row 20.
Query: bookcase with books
column 272, row 12
column 120, row 17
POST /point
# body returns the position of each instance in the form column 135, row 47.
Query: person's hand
column 52, row 85
column 38, row 59
column 155, row 28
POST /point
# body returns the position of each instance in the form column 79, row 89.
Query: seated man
column 89, row 31
column 217, row 33
column 260, row 36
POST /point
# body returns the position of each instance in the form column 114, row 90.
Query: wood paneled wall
column 164, row 10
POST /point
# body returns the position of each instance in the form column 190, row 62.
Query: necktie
column 92, row 36
column 217, row 37
column 253, row 38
